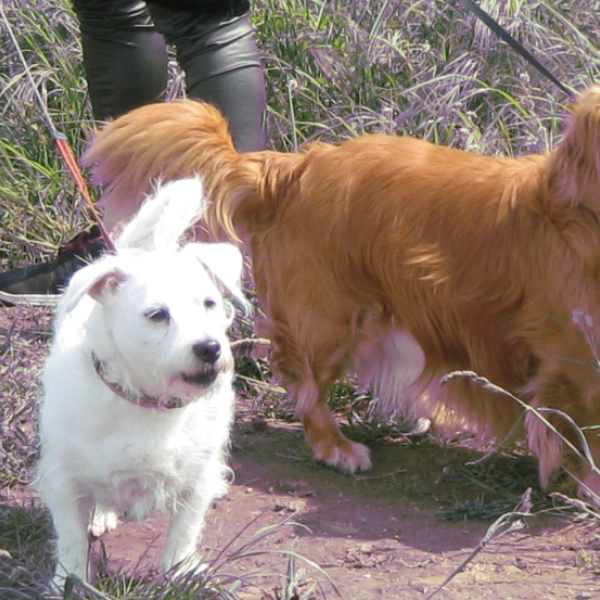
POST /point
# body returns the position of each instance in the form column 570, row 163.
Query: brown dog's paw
column 350, row 458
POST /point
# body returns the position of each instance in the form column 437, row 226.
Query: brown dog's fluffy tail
column 166, row 141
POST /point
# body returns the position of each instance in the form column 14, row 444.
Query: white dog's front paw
column 103, row 521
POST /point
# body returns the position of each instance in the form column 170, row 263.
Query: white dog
column 138, row 392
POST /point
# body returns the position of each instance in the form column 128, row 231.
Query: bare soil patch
column 382, row 534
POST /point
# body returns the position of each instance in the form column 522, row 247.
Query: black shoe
column 42, row 285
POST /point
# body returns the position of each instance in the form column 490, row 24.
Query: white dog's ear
column 96, row 280
column 225, row 262
column 165, row 215
column 107, row 284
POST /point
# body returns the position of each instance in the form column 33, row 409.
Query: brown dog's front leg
column 329, row 444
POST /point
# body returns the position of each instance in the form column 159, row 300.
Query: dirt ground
column 376, row 535
column 379, row 534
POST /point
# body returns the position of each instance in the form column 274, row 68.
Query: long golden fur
column 402, row 261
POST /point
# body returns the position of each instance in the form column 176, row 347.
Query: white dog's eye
column 158, row 314
column 210, row 303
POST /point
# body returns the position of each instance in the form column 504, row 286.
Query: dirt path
column 379, row 535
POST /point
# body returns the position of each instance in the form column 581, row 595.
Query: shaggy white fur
column 138, row 392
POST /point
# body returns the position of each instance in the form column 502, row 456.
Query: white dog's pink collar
column 139, row 399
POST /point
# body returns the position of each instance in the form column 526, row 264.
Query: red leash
column 68, row 156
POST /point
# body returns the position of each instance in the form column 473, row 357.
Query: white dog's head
column 154, row 316
column 157, row 321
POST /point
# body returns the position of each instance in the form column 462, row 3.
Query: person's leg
column 222, row 65
column 125, row 58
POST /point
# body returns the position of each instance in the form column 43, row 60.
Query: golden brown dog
column 401, row 261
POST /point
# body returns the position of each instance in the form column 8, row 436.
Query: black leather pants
column 126, row 62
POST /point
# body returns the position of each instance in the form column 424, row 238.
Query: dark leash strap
column 516, row 46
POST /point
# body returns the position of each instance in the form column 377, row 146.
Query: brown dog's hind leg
column 562, row 391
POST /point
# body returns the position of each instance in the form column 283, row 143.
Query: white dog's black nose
column 208, row 351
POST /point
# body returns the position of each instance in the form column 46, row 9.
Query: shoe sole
column 29, row 299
